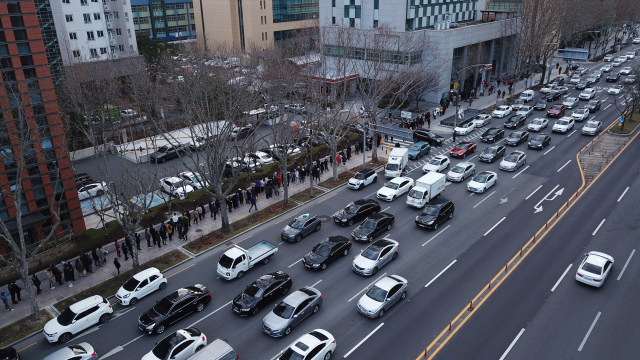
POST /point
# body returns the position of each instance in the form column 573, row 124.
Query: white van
column 527, row 95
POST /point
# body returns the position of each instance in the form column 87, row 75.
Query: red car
column 556, row 110
column 463, row 149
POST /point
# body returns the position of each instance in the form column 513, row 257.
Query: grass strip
column 23, row 327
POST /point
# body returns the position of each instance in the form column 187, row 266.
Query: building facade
column 31, row 132
column 253, row 24
column 164, row 19
column 94, row 30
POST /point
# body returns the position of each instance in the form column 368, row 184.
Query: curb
column 54, row 314
column 623, row 135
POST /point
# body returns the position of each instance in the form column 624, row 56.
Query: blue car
column 418, row 150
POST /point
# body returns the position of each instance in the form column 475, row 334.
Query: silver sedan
column 291, row 311
column 375, row 256
column 382, row 295
column 82, row 351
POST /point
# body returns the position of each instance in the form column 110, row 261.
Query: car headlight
column 52, row 335
column 126, row 296
column 430, row 223
column 316, row 265
column 150, row 326
column 344, row 220
column 245, row 309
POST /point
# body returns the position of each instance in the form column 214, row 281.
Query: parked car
column 89, row 190
column 315, row 345
column 261, row 293
column 375, row 256
column 176, row 187
column 326, row 252
column 362, row 178
column 291, row 311
column 178, row 346
column 300, row 227
column 174, row 307
column 241, row 132
column 539, row 141
column 140, row 285
column 356, row 211
column 382, row 295
column 167, row 152
column 78, row 317
column 435, row 213
column 194, row 179
column 373, row 226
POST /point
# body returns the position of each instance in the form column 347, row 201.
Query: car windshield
column 503, row 108
column 163, row 306
column 540, row 102
column 392, row 185
column 415, row 194
column 371, row 253
column 163, row 149
column 592, row 268
column 377, row 294
column 415, row 147
column 434, row 161
column 322, row 249
column 66, row 317
column 462, row 146
column 369, row 224
column 131, row 284
column 253, row 291
column 290, row 354
column 556, row 107
column 359, row 176
column 514, row 136
column 392, row 167
column 162, row 349
column 590, row 125
column 580, row 112
column 351, row 209
column 511, row 158
column 225, row 261
column 562, row 122
column 283, row 310
column 430, row 210
column 296, row 224
column 617, row 87
column 458, row 169
column 489, row 151
column 593, row 103
column 492, row 131
column 537, row 122
column 538, row 138
column 481, row 178
column 518, row 101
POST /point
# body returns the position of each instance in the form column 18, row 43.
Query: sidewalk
column 48, row 297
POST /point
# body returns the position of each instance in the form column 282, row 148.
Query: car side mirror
column 138, row 289
column 295, row 316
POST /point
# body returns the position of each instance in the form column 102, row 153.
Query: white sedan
column 563, row 125
column 140, row 285
column 525, row 110
column 636, row 40
column 464, row 129
column 626, row 70
column 175, row 186
column 482, row 182
column 481, row 120
column 570, row 102
column 437, row 164
column 580, row 114
column 317, row 345
column 587, row 94
column 513, row 161
column 538, row 124
column 608, row 57
column 178, row 346
column 592, row 127
column 194, row 179
column 394, row 188
column 501, row 111
column 615, row 90
column 461, row 171
column 594, row 268
column 91, row 190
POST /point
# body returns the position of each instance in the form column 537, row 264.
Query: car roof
column 386, row 283
column 383, row 243
column 464, row 143
column 440, row 157
column 365, row 170
column 306, row 216
column 487, row 173
column 596, row 259
column 518, row 133
column 379, row 216
column 298, row 296
column 364, row 201
column 439, row 202
column 398, row 179
column 144, row 274
column 83, row 304
column 171, row 179
column 464, row 163
column 335, row 239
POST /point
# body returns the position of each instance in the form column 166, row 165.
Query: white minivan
column 140, row 285
column 78, row 317
column 527, row 95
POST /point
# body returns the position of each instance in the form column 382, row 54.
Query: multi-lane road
column 456, row 262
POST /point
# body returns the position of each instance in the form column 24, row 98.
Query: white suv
column 175, row 186
column 78, row 317
column 140, row 285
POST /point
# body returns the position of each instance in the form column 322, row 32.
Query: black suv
column 374, row 225
column 516, row 138
column 492, row 135
column 515, row 122
column 552, row 96
column 425, row 135
column 540, row 105
column 435, row 213
column 356, row 211
column 167, row 152
column 613, row 77
column 174, row 307
column 261, row 293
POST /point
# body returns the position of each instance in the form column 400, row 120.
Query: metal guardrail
column 395, row 131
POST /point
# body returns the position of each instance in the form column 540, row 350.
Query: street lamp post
column 364, row 139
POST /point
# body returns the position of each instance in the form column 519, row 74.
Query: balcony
column 115, row 56
column 107, row 7
column 112, row 41
column 109, row 25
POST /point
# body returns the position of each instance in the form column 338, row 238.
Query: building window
column 100, row 33
column 118, row 31
column 144, row 20
column 96, row 16
column 333, row 20
column 90, row 35
column 73, row 36
column 126, row 16
column 171, row 18
column 103, row 51
column 192, row 16
column 76, row 53
column 180, row 6
column 116, row 15
column 375, row 23
column 130, row 47
column 124, row 2
column 68, row 18
column 121, row 48
column 65, row 1
column 129, row 32
column 23, row 48
column 182, row 28
column 352, row 22
column 83, row 2
column 193, row 27
column 173, row 29
column 181, row 17
column 87, row 18
column 168, row 7
column 293, row 10
column 190, row 5
column 94, row 53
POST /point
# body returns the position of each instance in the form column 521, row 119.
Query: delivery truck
column 236, row 261
column 398, row 160
column 427, row 188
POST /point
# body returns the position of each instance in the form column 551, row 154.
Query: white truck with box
column 427, row 187
column 398, row 160
column 236, row 261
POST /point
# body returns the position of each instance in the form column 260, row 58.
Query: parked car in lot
column 492, row 135
column 435, row 213
column 194, row 179
column 394, row 188
column 261, row 293
column 326, row 252
column 492, row 153
column 356, row 211
column 241, row 132
column 175, row 187
column 82, row 351
column 300, row 227
column 513, row 161
column 178, row 346
column 538, row 124
column 481, row 120
column 296, row 108
column 89, row 190
column 420, row 149
column 516, row 138
column 291, row 311
column 382, row 295
column 140, row 285
column 482, row 182
column 594, row 268
column 316, row 345
column 174, row 307
column 373, row 226
column 167, row 152
column 591, row 127
column 362, row 178
column 375, row 256
column 563, row 125
column 437, row 164
column 425, row 135
column 78, row 317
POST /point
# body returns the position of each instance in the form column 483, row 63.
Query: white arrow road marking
column 503, row 200
column 119, row 348
column 538, row 207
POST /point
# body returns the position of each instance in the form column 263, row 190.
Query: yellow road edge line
column 28, row 346
column 283, row 219
column 230, row 246
column 179, row 271
column 336, row 193
column 530, row 245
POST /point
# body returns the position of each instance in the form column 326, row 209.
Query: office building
column 164, row 19
column 29, row 110
column 253, row 24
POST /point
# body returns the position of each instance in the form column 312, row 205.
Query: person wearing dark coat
column 163, row 233
column 152, row 232
column 56, row 273
column 137, row 235
column 179, row 229
column 36, row 283
column 68, row 274
column 185, row 223
column 96, row 259
column 116, row 263
column 230, row 204
column 12, row 291
column 125, row 251
column 17, row 289
column 86, row 262
column 80, row 269
column 127, row 241
column 202, row 211
column 348, row 152
column 211, row 205
column 147, row 235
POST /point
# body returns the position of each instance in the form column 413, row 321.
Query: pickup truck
column 236, row 261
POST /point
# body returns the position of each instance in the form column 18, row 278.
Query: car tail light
column 163, row 276
column 203, row 338
column 334, row 341
column 320, row 295
column 579, row 274
column 596, row 280
column 94, row 354
column 208, row 294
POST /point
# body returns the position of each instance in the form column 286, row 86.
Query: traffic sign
column 489, row 68
column 621, row 120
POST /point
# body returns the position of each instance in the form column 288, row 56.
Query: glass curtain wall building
column 164, row 19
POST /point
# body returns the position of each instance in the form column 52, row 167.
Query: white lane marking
column 598, row 228
column 512, row 344
column 562, row 167
column 120, row 313
column 295, row 262
column 494, row 226
column 484, row 199
column 589, row 332
column 385, row 209
column 363, row 340
column 521, row 171
column 625, row 264
column 623, row 193
column 434, row 236
column 472, row 157
column 621, row 96
column 95, row 328
column 373, row 282
column 213, row 312
column 133, row 340
column 534, row 191
column 606, row 107
column 440, row 273
column 553, row 147
column 316, row 283
column 119, row 348
column 572, row 133
column 561, row 277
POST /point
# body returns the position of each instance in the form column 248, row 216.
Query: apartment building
column 164, row 19
column 94, row 30
column 29, row 111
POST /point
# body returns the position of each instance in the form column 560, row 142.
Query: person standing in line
column 36, row 283
column 154, row 235
column 163, row 233
column 147, row 235
column 195, row 215
column 50, row 277
column 125, row 251
column 137, row 235
column 68, row 274
column 127, row 242
column 230, row 204
column 117, row 248
column 56, row 273
column 86, row 262
column 288, row 178
column 102, row 255
column 5, row 300
column 179, row 229
column 116, row 263
column 12, row 291
column 253, row 204
column 80, row 269
column 170, row 229
column 175, row 218
column 210, row 209
column 240, row 197
column 214, row 210
column 96, row 259
column 185, row 223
